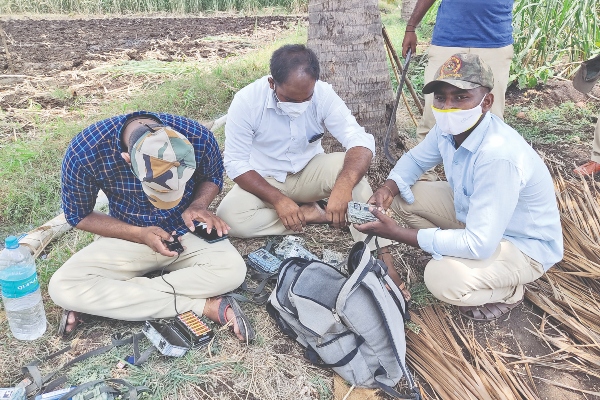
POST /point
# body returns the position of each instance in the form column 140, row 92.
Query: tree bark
column 347, row 37
column 407, row 8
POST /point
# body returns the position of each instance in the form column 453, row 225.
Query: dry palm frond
column 569, row 291
column 440, row 359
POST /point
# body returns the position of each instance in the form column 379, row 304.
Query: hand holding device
column 211, row 237
column 175, row 245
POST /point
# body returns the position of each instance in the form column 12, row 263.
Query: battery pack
column 175, row 338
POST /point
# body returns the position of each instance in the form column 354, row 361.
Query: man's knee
column 236, row 273
column 445, row 283
column 58, row 289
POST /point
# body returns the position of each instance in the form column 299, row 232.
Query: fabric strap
column 44, row 384
column 312, row 355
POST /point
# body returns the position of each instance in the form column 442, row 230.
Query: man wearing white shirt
column 494, row 225
column 274, row 155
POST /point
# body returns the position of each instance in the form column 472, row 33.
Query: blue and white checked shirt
column 502, row 190
column 93, row 162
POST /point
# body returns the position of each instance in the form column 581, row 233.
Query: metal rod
column 386, row 143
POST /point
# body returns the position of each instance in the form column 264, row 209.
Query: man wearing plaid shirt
column 160, row 173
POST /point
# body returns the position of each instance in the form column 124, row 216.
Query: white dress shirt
column 502, row 190
column 260, row 137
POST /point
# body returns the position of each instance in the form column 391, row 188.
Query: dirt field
column 54, row 65
column 40, row 58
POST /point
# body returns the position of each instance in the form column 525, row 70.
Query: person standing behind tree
column 584, row 81
column 465, row 26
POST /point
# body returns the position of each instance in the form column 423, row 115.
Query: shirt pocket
column 461, row 202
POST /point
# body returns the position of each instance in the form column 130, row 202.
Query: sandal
column 487, row 312
column 589, row 168
column 243, row 322
column 62, row 327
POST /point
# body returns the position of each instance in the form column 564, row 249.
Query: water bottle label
column 20, row 288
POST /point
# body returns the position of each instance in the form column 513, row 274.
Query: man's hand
column 192, row 214
column 290, row 214
column 386, row 226
column 337, row 206
column 409, row 42
column 382, row 198
column 153, row 237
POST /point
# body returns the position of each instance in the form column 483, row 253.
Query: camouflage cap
column 586, row 76
column 465, row 71
column 164, row 160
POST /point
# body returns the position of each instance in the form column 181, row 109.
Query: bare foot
column 211, row 311
column 73, row 320
column 314, row 214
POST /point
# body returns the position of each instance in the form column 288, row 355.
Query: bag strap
column 312, row 355
column 43, row 384
column 131, row 394
column 259, row 294
column 391, row 391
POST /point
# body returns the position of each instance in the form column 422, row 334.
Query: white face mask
column 456, row 121
column 293, row 110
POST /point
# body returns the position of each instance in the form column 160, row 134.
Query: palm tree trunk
column 407, row 8
column 346, row 36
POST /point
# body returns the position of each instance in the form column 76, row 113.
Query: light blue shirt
column 502, row 190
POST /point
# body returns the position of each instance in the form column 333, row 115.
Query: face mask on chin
column 292, row 110
column 456, row 121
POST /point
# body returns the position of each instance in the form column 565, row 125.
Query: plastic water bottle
column 21, row 291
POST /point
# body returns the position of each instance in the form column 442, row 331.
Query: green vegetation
column 551, row 36
column 144, row 6
column 565, row 123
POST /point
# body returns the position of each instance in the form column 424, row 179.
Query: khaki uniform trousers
column 461, row 281
column 596, row 144
column 248, row 216
column 498, row 59
column 106, row 278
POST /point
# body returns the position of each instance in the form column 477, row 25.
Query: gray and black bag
column 354, row 324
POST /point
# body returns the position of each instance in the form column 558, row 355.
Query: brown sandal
column 487, row 312
column 64, row 320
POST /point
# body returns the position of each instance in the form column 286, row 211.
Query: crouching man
column 494, row 225
column 160, row 173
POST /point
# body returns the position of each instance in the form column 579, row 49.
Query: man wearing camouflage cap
column 160, row 173
column 494, row 225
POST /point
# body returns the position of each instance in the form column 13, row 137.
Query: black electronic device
column 211, row 237
column 175, row 245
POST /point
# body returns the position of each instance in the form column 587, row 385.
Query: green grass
column 566, row 123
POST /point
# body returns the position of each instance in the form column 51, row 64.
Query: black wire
column 162, row 271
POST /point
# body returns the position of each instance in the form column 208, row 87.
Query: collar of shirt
column 473, row 141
